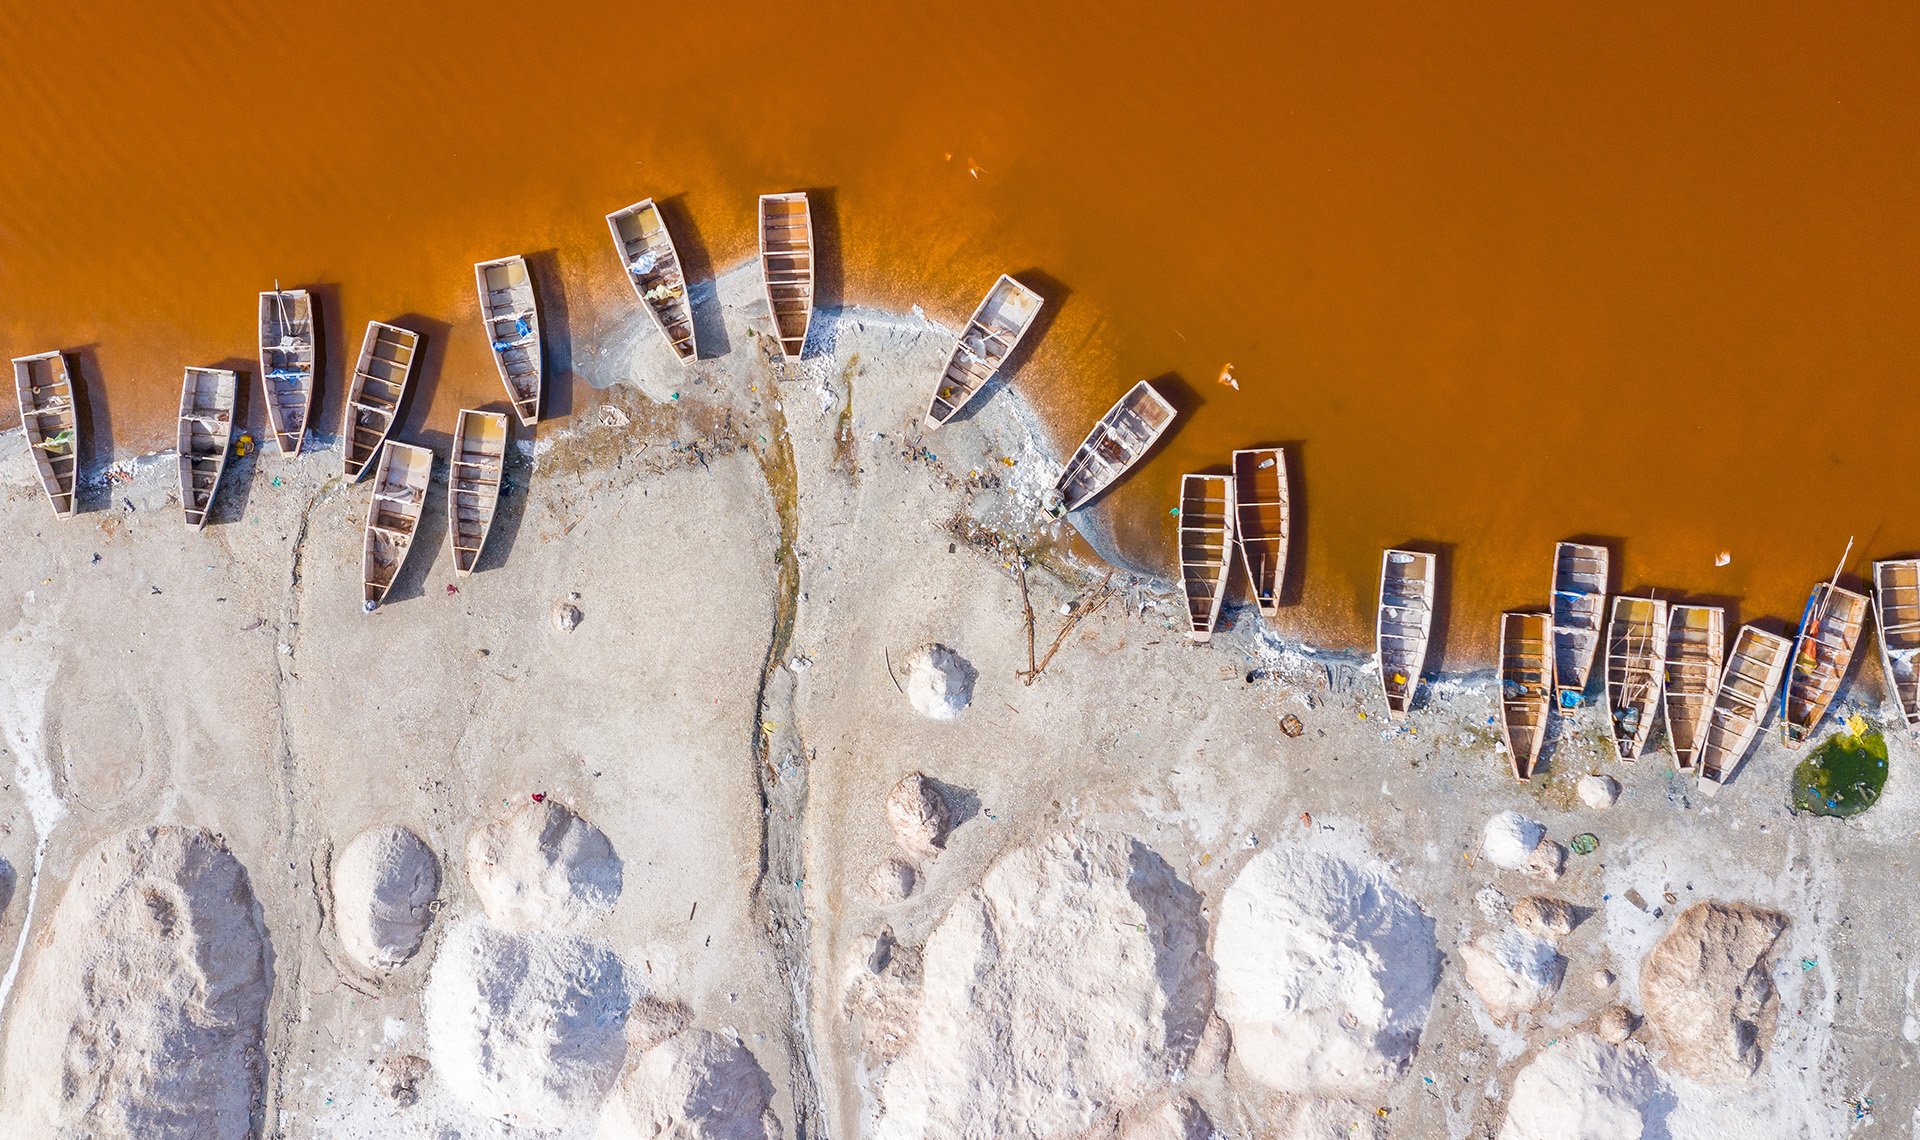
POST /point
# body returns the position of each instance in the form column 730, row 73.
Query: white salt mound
column 1551, row 919
column 1326, row 973
column 543, row 868
column 383, row 885
column 1512, row 971
column 939, row 683
column 143, row 1012
column 1585, row 1090
column 1175, row 1120
column 1598, row 791
column 1707, row 993
column 1509, row 840
column 918, row 816
column 1065, row 990
column 526, row 1028
column 693, row 1086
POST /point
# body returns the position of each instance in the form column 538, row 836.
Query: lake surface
column 1496, row 278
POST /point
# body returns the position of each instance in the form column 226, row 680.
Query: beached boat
column 510, row 314
column 652, row 265
column 47, row 413
column 1206, row 548
column 289, row 361
column 786, row 267
column 1636, row 669
column 1579, row 608
column 399, row 495
column 1896, row 614
column 1696, row 650
column 1829, row 631
column 1405, row 621
column 1261, row 517
column 1526, row 688
column 473, row 484
column 1747, row 686
column 378, row 385
column 206, row 436
column 1128, row 431
column 991, row 335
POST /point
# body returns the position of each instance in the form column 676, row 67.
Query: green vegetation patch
column 1845, row 775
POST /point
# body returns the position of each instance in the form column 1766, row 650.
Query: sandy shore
column 756, row 549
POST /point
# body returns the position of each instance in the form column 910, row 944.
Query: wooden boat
column 786, row 267
column 1579, row 608
column 1822, row 650
column 1526, row 688
column 1896, row 613
column 1746, row 692
column 399, row 495
column 1206, row 548
column 1406, row 619
column 473, row 483
column 206, row 435
column 990, row 337
column 511, row 316
column 1636, row 668
column 652, row 265
column 1260, row 522
column 289, row 361
column 1696, row 650
column 45, row 389
column 1128, row 431
column 379, row 383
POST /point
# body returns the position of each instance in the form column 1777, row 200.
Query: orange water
column 1503, row 276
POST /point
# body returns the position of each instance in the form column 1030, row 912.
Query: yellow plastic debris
column 1857, row 724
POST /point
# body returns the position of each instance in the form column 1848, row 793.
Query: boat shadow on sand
column 93, row 430
column 556, row 338
column 236, row 481
column 703, row 286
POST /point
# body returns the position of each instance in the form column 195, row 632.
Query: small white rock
column 1597, row 791
column 1603, row 979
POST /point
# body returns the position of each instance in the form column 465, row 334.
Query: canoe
column 473, row 483
column 1746, row 691
column 991, row 335
column 206, row 436
column 289, row 360
column 1206, row 548
column 1128, row 431
column 1636, row 669
column 510, row 314
column 45, row 389
column 1405, row 621
column 652, row 265
column 1260, row 522
column 399, row 495
column 786, row 267
column 1579, row 608
column 1696, row 650
column 1896, row 614
column 1526, row 688
column 1822, row 650
column 378, row 384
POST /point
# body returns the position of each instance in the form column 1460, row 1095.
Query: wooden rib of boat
column 786, row 267
column 399, row 495
column 206, row 436
column 1696, row 650
column 1747, row 685
column 991, row 335
column 1260, row 522
column 473, row 484
column 1206, row 546
column 510, row 313
column 1636, row 669
column 1128, row 431
column 45, row 389
column 652, row 265
column 289, row 360
column 379, row 383
column 1579, row 609
column 1405, row 621
column 1526, row 688
column 1896, row 614
column 1822, row 650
